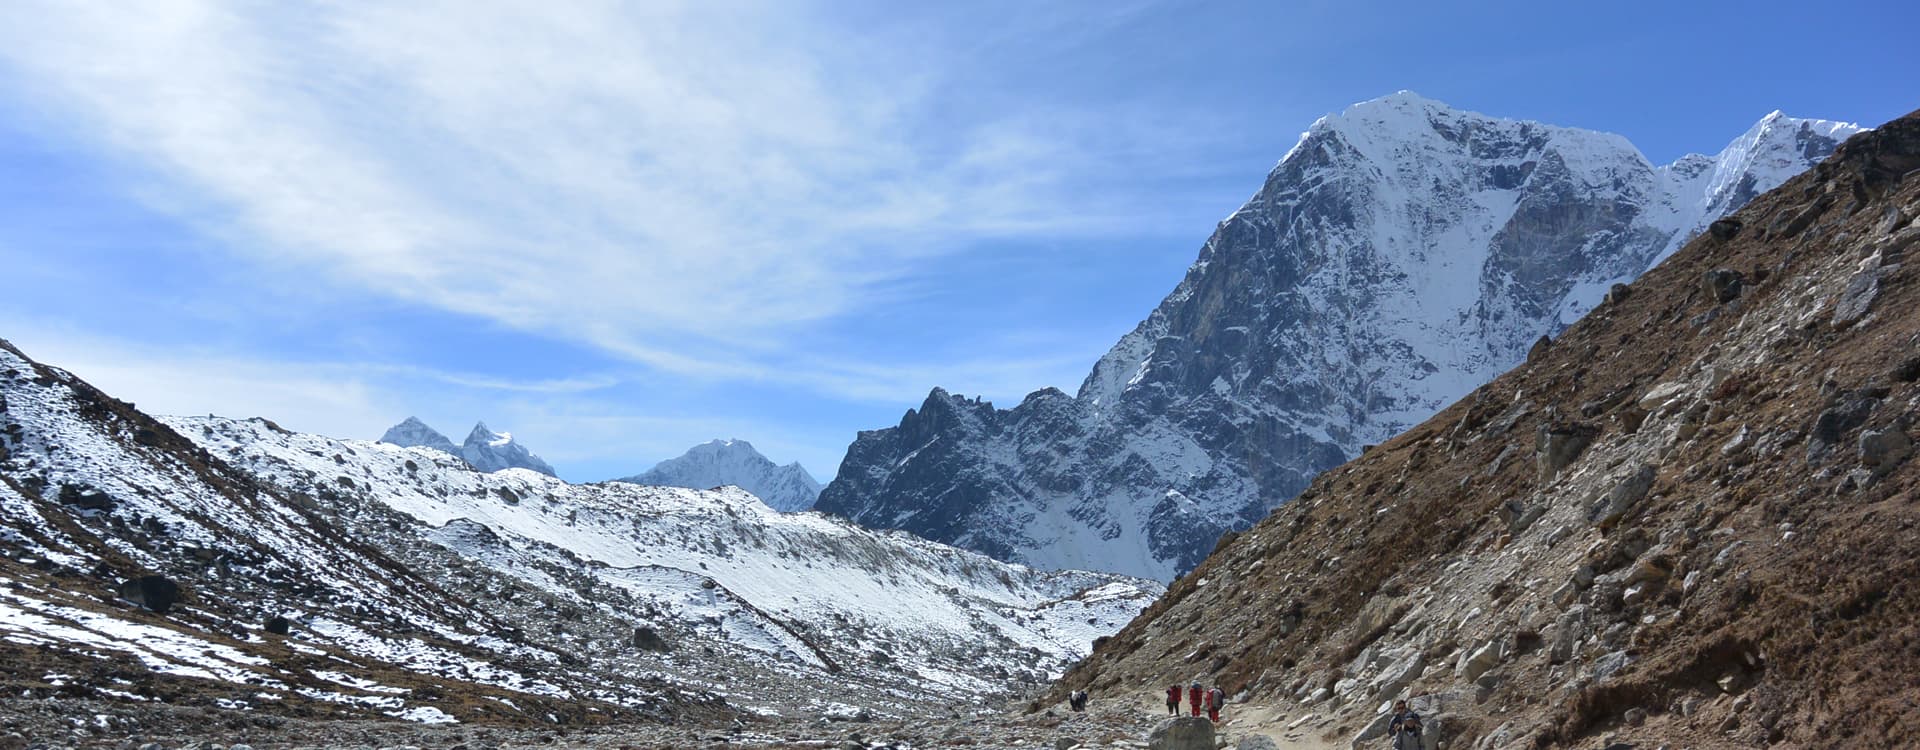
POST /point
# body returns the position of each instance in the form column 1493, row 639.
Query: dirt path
column 1290, row 731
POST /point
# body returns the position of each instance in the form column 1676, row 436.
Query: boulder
column 1478, row 661
column 278, row 625
column 1540, row 348
column 156, row 593
column 1374, row 730
column 1567, row 632
column 1857, row 299
column 1621, row 498
column 1256, row 742
column 1723, row 285
column 1660, row 395
column 1882, row 450
column 1609, row 664
column 1725, row 229
column 85, row 498
column 1556, row 447
column 647, row 639
column 1399, row 675
column 1833, row 424
column 1907, row 371
column 1183, row 733
column 1618, row 293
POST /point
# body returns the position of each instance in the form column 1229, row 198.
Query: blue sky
column 620, row 229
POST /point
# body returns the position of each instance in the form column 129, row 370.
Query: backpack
column 1219, row 697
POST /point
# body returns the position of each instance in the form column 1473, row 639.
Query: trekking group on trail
column 1210, row 700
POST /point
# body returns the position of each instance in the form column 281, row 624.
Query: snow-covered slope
column 719, row 463
column 1401, row 254
column 94, row 496
column 808, row 591
column 417, row 586
column 484, row 449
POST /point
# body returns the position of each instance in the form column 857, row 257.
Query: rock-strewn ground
column 1691, row 521
column 55, row 722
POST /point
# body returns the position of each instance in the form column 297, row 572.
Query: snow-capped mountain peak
column 735, row 462
column 487, row 450
column 484, row 449
column 415, row 433
column 1401, row 254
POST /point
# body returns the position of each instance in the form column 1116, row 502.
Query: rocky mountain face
column 721, row 463
column 1689, row 521
column 1400, row 255
column 232, row 563
column 487, row 450
column 484, row 449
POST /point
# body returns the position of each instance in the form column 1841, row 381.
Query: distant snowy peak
column 491, row 451
column 484, row 450
column 719, row 463
column 415, row 433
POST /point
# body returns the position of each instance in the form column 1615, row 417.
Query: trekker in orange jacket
column 1194, row 697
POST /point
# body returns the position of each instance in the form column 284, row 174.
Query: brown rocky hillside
column 1690, row 521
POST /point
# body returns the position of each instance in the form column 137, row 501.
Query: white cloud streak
column 682, row 184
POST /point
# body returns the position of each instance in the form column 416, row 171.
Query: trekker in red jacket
column 1215, row 699
column 1173, row 700
column 1195, row 698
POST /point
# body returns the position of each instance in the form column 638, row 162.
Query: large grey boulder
column 1723, row 285
column 1882, row 450
column 1399, row 675
column 1374, row 730
column 1184, row 733
column 1556, row 447
column 155, row 593
column 1478, row 661
column 1621, row 498
column 1567, row 632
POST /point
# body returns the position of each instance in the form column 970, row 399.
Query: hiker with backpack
column 1173, row 700
column 1077, row 701
column 1195, row 698
column 1404, row 727
column 1215, row 699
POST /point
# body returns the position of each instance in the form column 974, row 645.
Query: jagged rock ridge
column 718, row 463
column 1689, row 521
column 1402, row 253
column 483, row 449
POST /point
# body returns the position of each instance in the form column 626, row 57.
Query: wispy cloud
column 682, row 184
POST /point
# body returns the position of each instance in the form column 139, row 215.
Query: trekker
column 1215, row 699
column 1173, row 700
column 1077, row 701
column 1195, row 698
column 1405, row 727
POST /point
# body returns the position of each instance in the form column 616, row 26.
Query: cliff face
column 1403, row 253
column 1689, row 520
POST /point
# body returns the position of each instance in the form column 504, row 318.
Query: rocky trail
column 1117, row 724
